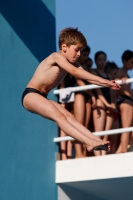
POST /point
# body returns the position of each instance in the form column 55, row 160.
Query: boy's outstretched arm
column 77, row 71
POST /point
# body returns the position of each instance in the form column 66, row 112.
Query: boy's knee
column 70, row 117
column 59, row 116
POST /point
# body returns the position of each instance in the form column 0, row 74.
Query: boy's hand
column 114, row 85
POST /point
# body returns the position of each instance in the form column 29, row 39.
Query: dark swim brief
column 122, row 99
column 31, row 90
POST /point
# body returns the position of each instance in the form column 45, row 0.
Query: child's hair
column 71, row 36
column 98, row 53
column 89, row 59
column 87, row 49
column 110, row 66
column 127, row 55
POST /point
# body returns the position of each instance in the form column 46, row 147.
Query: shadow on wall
column 32, row 21
column 66, row 192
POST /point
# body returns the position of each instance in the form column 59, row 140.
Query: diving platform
column 96, row 178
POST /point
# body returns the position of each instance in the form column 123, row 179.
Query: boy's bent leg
column 38, row 104
column 75, row 123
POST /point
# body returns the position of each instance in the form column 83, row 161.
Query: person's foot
column 97, row 138
column 98, row 145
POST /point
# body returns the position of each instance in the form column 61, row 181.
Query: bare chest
column 59, row 77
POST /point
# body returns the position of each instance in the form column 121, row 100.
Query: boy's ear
column 64, row 47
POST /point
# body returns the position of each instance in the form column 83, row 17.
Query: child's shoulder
column 120, row 73
column 57, row 55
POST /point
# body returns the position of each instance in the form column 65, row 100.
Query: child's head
column 71, row 36
column 84, row 55
column 88, row 64
column 112, row 69
column 127, row 59
column 100, row 59
column 71, row 43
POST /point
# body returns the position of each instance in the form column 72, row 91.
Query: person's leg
column 114, row 138
column 126, row 110
column 63, row 145
column 131, row 136
column 69, row 149
column 99, row 117
column 108, row 126
column 46, row 108
column 87, row 113
column 87, row 120
column 75, row 123
column 79, row 113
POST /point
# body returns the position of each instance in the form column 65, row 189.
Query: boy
column 49, row 74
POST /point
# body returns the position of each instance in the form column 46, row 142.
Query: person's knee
column 70, row 117
column 59, row 117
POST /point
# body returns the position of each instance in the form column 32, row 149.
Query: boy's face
column 128, row 64
column 83, row 57
column 101, row 61
column 72, row 52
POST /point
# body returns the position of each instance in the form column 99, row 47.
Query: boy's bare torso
column 125, row 88
column 47, row 76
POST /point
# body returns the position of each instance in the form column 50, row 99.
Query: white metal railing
column 90, row 87
column 101, row 133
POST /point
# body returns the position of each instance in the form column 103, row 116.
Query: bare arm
column 101, row 97
column 112, row 96
column 79, row 72
column 111, row 105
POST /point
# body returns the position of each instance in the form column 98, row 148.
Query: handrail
column 91, row 86
column 100, row 133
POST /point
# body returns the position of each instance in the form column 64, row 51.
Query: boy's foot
column 102, row 147
column 98, row 145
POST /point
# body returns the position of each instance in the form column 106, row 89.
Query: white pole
column 101, row 133
column 91, row 86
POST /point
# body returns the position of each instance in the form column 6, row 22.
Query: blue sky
column 106, row 24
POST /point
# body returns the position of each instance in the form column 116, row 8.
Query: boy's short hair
column 127, row 55
column 71, row 36
column 110, row 66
